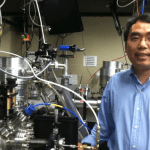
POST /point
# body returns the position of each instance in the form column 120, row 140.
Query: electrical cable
column 133, row 11
column 78, row 118
column 33, row 20
column 50, row 82
column 19, row 49
column 82, row 121
column 44, row 102
column 31, row 109
column 21, row 57
column 92, row 76
column 35, row 35
column 40, row 21
column 143, row 6
column 85, row 54
column 137, row 7
column 42, row 99
column 41, row 104
column 125, row 5
column 89, row 72
column 35, row 13
column 59, row 53
column 64, row 104
column 119, row 58
column 55, row 76
column 87, row 66
column 57, row 40
column 63, row 41
column 2, row 4
column 45, row 94
column 81, row 79
column 63, row 37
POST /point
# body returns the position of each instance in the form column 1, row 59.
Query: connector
column 29, row 110
column 97, row 135
column 87, row 147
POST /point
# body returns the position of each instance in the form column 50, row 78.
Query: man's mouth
column 142, row 55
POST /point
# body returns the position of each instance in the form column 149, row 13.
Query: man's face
column 138, row 45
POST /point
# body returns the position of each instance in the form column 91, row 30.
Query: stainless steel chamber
column 18, row 67
column 108, row 69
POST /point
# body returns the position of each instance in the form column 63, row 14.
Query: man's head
column 133, row 20
column 137, row 41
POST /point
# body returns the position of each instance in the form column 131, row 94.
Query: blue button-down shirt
column 124, row 114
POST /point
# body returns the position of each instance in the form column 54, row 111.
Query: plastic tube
column 78, row 117
column 30, row 14
column 83, row 132
column 41, row 104
column 49, row 82
column 40, row 21
column 65, row 109
column 2, row 3
column 11, row 54
column 143, row 7
column 125, row 5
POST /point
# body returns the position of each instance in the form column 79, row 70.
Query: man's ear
column 126, row 47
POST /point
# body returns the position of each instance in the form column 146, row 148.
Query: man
column 124, row 115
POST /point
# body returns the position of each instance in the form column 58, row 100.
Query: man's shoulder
column 122, row 73
column 121, row 76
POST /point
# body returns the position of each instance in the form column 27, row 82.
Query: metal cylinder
column 66, row 69
column 37, row 142
column 18, row 67
column 22, row 89
column 108, row 69
column 12, row 65
column 93, row 102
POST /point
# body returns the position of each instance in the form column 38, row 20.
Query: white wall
column 99, row 38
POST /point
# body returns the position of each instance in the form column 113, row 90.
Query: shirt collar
column 132, row 73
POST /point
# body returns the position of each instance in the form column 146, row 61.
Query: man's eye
column 134, row 38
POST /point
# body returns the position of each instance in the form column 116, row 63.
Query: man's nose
column 143, row 43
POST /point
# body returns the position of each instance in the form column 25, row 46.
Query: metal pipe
column 37, row 142
column 59, row 65
column 66, row 62
column 93, row 103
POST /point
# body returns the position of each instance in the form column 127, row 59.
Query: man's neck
column 143, row 74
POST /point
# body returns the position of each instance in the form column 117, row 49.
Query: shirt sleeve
column 105, row 119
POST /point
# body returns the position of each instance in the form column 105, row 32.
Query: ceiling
column 101, row 8
column 86, row 7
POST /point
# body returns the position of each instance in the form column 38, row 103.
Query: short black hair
column 142, row 17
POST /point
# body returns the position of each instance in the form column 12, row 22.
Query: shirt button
column 133, row 146
column 140, row 91
column 138, row 108
column 136, row 127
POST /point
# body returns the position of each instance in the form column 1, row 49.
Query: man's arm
column 105, row 119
